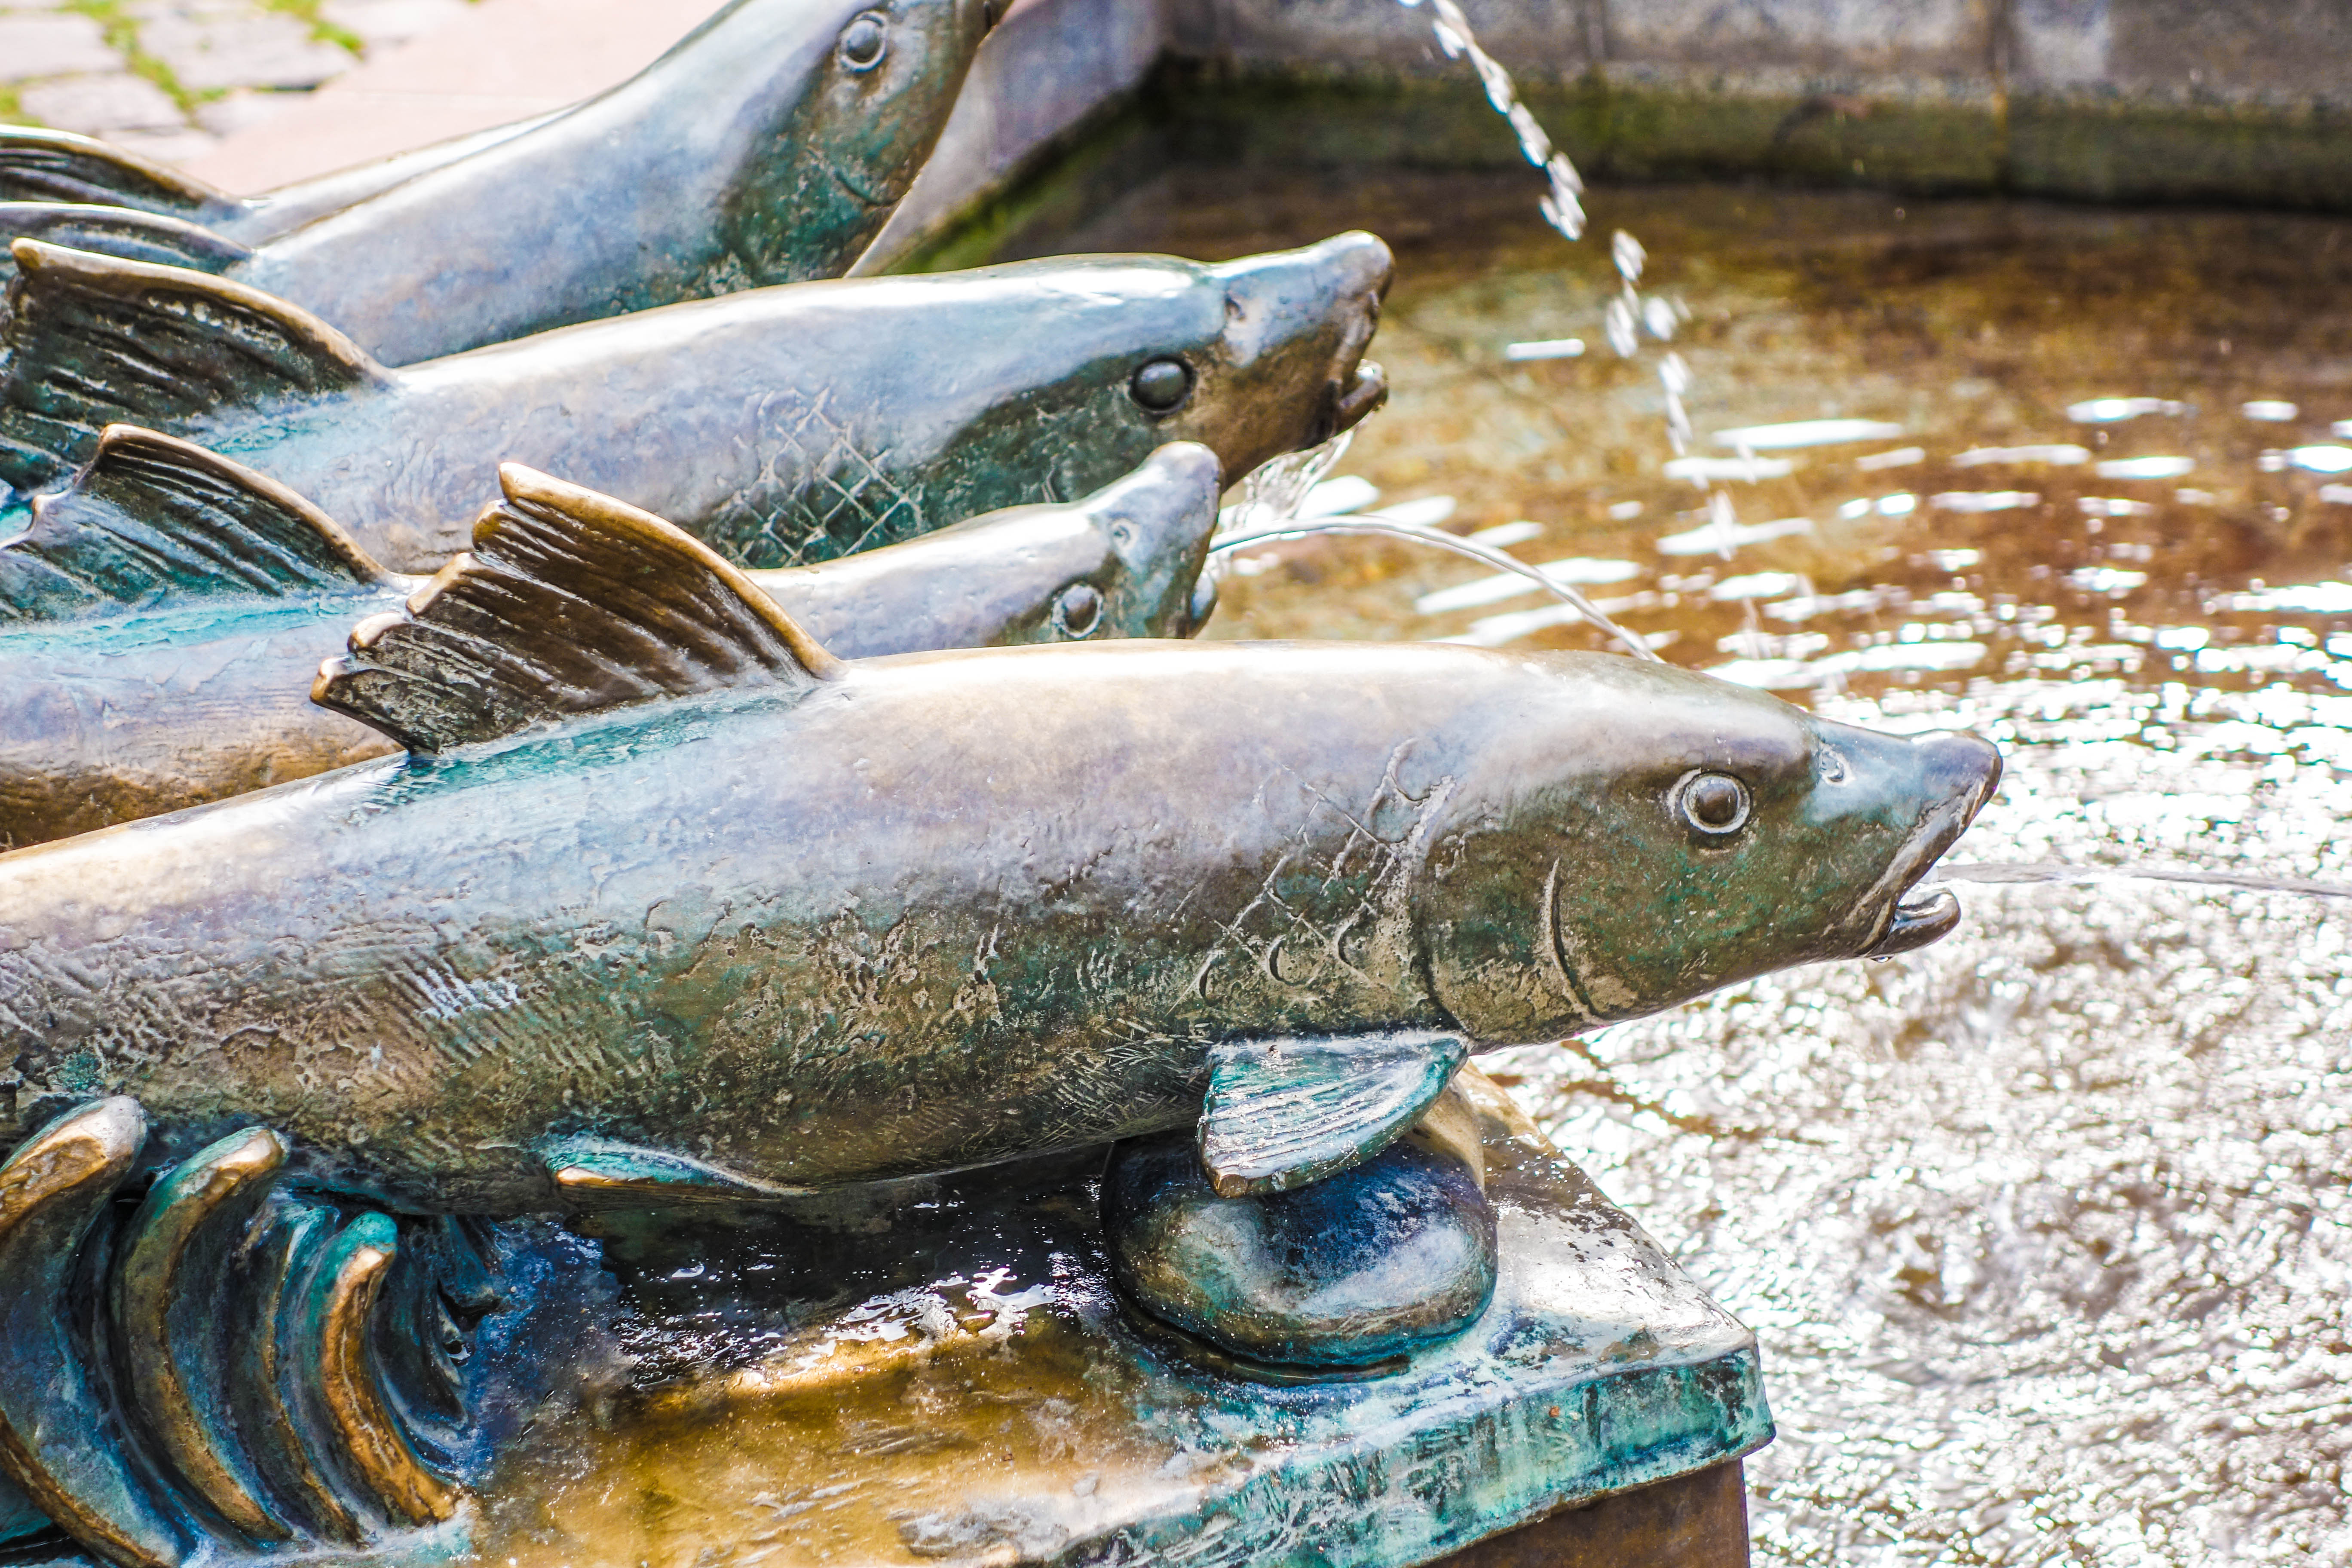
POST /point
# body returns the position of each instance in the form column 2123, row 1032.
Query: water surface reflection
column 2043, row 1228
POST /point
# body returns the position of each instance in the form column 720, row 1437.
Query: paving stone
column 379, row 22
column 174, row 146
column 35, row 47
column 101, row 105
column 219, row 46
column 243, row 108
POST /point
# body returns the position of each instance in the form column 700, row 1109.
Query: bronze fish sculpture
column 161, row 619
column 769, row 146
column 670, row 905
column 1071, row 890
column 782, row 426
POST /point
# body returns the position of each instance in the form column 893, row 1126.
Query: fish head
column 1058, row 376
column 1152, row 527
column 1124, row 561
column 881, row 77
column 1285, row 368
column 1629, row 837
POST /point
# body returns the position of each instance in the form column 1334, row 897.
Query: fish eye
column 1713, row 803
column 1078, row 611
column 1832, row 765
column 864, row 41
column 1162, row 386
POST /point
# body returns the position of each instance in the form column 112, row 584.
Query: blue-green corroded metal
column 770, row 146
column 782, row 426
column 161, row 624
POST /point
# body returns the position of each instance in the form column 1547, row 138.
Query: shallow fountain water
column 2043, row 1228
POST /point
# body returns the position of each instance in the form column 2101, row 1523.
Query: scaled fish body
column 782, row 426
column 184, row 604
column 789, row 922
column 770, row 146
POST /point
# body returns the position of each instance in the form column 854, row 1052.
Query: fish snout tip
column 1370, row 264
column 1961, row 766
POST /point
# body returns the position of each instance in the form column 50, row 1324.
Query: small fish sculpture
column 770, row 146
column 669, row 905
column 782, row 426
column 161, row 620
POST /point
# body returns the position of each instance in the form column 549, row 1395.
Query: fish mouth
column 1914, row 919
column 1347, row 400
column 1367, row 390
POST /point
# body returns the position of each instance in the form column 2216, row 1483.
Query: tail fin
column 39, row 165
column 570, row 602
column 154, row 517
column 94, row 341
column 122, row 232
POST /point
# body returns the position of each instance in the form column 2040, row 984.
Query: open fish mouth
column 1358, row 397
column 1914, row 917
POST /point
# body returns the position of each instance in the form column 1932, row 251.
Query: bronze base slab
column 1697, row 1520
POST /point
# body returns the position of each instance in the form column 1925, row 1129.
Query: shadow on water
column 2043, row 1228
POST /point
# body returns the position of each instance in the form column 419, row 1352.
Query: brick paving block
column 101, row 105
column 379, row 22
column 210, row 46
column 33, row 47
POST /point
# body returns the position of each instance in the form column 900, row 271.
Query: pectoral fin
column 600, row 1173
column 1284, row 1112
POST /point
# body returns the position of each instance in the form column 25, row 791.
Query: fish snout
column 1363, row 261
column 1959, row 772
column 1959, row 766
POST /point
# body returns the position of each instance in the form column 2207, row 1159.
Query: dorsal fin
column 42, row 165
column 155, row 517
column 94, row 341
column 123, row 232
column 570, row 602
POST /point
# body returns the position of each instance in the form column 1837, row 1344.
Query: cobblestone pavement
column 170, row 78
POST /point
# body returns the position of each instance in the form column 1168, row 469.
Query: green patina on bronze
column 770, row 146
column 782, row 426
column 161, row 623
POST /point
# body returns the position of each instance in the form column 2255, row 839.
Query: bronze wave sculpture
column 161, row 619
column 770, row 146
column 782, row 426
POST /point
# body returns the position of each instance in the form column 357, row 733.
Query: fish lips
column 1915, row 920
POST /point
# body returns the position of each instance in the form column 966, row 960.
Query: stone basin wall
column 2241, row 101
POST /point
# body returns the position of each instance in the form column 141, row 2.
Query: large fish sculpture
column 770, row 146
column 668, row 905
column 782, row 426
column 161, row 619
